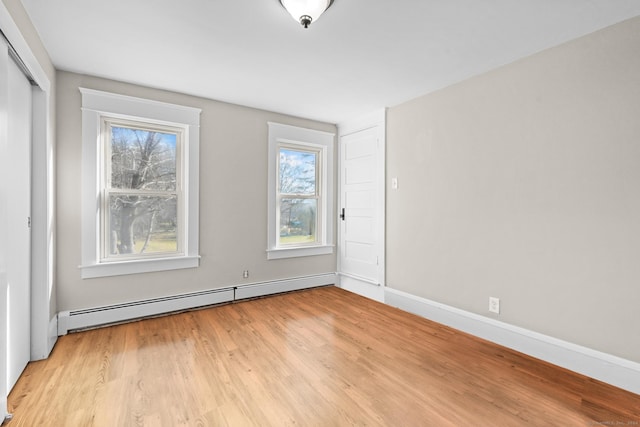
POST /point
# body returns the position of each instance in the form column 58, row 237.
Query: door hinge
column 28, row 222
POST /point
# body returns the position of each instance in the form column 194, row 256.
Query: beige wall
column 524, row 184
column 233, row 202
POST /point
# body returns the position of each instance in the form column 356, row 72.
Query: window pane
column 298, row 221
column 142, row 159
column 298, row 171
column 142, row 224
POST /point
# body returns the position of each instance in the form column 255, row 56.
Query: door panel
column 18, row 212
column 359, row 188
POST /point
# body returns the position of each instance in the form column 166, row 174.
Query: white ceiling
column 361, row 55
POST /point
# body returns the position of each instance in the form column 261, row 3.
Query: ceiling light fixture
column 306, row 11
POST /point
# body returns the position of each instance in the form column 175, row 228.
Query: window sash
column 303, row 149
column 317, row 196
column 107, row 256
column 106, row 131
column 317, row 240
column 105, row 165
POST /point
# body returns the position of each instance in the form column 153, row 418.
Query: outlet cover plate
column 494, row 305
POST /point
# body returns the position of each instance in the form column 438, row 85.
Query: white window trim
column 305, row 138
column 95, row 105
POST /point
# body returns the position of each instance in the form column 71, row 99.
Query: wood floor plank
column 321, row 357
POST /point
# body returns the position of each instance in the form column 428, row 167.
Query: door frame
column 374, row 120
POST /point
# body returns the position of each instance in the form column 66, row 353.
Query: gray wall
column 233, row 202
column 524, row 184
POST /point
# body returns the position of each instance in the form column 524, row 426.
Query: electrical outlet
column 494, row 305
column 245, row 274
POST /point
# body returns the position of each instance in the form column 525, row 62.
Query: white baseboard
column 93, row 317
column 605, row 367
column 52, row 334
column 361, row 287
column 42, row 352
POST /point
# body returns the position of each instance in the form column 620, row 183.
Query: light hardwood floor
column 321, row 357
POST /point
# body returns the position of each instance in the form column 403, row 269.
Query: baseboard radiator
column 69, row 321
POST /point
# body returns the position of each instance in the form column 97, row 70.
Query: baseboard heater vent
column 278, row 286
column 93, row 317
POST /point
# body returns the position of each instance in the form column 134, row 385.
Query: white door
column 17, row 247
column 360, row 248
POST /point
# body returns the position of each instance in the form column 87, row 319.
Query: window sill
column 299, row 252
column 137, row 266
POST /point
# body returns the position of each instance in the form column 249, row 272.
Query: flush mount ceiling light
column 306, row 11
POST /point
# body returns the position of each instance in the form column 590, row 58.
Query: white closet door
column 17, row 246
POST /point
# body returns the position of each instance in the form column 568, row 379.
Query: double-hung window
column 299, row 195
column 140, row 185
column 142, row 199
column 300, row 192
